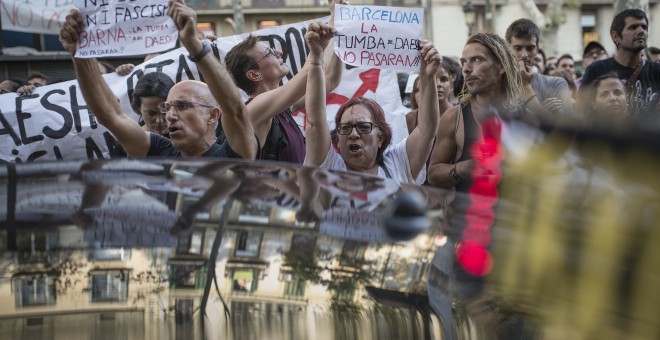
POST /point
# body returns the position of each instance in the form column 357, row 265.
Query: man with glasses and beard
column 191, row 109
column 630, row 31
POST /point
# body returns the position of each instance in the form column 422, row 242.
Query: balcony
column 255, row 5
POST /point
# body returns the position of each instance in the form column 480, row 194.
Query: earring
column 260, row 78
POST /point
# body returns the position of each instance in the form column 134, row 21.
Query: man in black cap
column 653, row 54
column 630, row 32
column 592, row 52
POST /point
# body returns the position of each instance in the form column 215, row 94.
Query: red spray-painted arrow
column 369, row 83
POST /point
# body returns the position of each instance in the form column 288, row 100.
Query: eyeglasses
column 269, row 51
column 362, row 128
column 179, row 105
column 595, row 54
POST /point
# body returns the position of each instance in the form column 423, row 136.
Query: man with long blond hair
column 492, row 86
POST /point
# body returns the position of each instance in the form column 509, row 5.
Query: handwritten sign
column 378, row 36
column 123, row 28
column 54, row 123
column 34, row 16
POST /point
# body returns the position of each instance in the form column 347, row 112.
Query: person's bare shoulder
column 448, row 121
column 411, row 120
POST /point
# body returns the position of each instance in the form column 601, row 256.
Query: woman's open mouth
column 354, row 148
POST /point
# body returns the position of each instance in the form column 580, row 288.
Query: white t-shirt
column 395, row 160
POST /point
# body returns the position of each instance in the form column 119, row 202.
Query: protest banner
column 122, row 28
column 54, row 122
column 34, row 16
column 379, row 36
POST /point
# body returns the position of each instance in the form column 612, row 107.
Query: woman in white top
column 363, row 133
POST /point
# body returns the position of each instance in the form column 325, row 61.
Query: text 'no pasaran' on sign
column 377, row 36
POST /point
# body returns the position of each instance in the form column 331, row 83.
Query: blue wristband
column 206, row 48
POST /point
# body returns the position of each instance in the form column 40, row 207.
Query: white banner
column 378, row 36
column 122, row 28
column 34, row 16
column 55, row 123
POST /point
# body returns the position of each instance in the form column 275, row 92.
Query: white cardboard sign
column 34, row 16
column 379, row 36
column 54, row 123
column 124, row 28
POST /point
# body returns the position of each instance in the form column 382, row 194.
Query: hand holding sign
column 377, row 36
column 70, row 31
column 123, row 28
column 431, row 59
column 185, row 20
column 331, row 5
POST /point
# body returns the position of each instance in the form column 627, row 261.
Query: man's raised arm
column 235, row 122
column 98, row 96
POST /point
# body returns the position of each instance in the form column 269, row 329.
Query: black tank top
column 470, row 135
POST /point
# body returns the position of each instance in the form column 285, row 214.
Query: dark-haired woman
column 150, row 90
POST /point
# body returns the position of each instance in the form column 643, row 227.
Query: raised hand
column 331, row 6
column 430, row 58
column 185, row 20
column 317, row 37
column 70, row 31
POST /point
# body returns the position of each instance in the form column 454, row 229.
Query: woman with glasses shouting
column 363, row 133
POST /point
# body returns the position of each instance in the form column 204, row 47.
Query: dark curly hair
column 154, row 84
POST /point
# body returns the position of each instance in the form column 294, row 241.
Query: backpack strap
column 274, row 141
column 387, row 172
column 633, row 78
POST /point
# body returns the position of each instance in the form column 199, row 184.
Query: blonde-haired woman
column 443, row 83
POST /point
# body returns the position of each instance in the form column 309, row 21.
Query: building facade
column 446, row 26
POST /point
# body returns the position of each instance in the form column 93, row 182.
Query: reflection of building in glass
column 264, row 267
column 52, row 286
column 33, row 291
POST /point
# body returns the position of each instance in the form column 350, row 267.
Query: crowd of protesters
column 509, row 77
